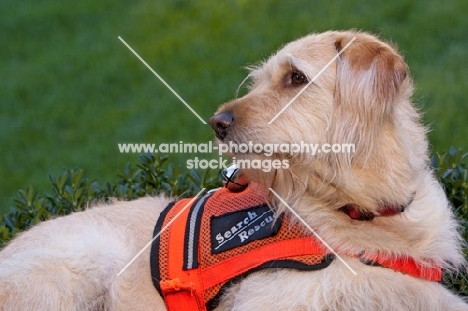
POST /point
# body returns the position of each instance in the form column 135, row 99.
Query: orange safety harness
column 205, row 244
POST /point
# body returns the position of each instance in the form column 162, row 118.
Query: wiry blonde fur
column 71, row 263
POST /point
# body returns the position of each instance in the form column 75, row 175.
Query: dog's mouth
column 235, row 142
column 241, row 149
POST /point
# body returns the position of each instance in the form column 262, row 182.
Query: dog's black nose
column 221, row 122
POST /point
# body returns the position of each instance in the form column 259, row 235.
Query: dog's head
column 339, row 89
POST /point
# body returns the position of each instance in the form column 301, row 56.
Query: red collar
column 405, row 265
column 387, row 210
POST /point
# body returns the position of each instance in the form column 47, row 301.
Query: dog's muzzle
column 221, row 122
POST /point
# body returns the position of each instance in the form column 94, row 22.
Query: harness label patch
column 239, row 228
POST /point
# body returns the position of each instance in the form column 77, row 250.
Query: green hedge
column 452, row 170
column 71, row 192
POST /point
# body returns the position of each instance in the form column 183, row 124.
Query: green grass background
column 70, row 90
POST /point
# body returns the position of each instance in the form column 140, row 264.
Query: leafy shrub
column 452, row 170
column 73, row 192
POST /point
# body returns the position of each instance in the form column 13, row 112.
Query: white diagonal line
column 162, row 230
column 311, row 81
column 162, row 80
column 313, row 231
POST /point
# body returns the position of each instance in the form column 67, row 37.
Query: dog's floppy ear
column 368, row 69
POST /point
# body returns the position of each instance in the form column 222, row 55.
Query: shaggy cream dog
column 71, row 263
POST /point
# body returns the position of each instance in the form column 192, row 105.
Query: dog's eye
column 298, row 78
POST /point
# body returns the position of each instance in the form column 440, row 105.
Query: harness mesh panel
column 223, row 202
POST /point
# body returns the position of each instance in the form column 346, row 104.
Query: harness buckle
column 175, row 285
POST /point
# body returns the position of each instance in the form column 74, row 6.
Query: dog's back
column 72, row 262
